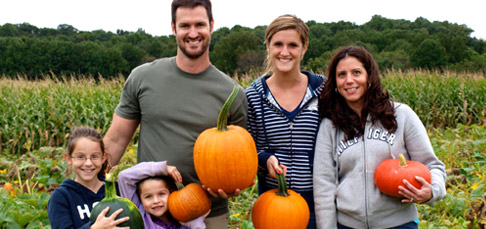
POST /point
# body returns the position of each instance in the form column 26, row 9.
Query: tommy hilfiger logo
column 380, row 134
column 373, row 134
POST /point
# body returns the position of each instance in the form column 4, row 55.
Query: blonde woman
column 282, row 110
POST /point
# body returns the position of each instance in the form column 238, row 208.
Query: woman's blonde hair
column 285, row 22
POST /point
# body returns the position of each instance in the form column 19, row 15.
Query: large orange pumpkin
column 390, row 174
column 225, row 157
column 280, row 208
column 189, row 202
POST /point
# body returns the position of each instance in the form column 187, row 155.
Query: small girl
column 148, row 186
column 70, row 205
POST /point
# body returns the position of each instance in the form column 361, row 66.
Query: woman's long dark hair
column 377, row 102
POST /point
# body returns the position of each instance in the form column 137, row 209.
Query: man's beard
column 196, row 55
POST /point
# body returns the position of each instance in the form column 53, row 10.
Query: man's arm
column 118, row 136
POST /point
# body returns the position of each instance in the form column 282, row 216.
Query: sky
column 153, row 16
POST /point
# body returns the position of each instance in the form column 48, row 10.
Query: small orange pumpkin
column 189, row 202
column 8, row 187
column 390, row 174
column 225, row 157
column 280, row 208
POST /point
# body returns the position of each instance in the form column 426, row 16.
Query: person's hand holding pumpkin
column 415, row 195
column 220, row 193
column 273, row 167
column 103, row 221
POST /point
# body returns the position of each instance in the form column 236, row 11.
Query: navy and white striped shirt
column 290, row 138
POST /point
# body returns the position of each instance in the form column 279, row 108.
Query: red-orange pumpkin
column 280, row 208
column 391, row 172
column 189, row 202
column 225, row 157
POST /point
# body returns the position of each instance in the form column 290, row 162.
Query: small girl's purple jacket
column 127, row 183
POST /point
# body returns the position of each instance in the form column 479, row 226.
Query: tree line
column 396, row 44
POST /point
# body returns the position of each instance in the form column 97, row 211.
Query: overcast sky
column 153, row 16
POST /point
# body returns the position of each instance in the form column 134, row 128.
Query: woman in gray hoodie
column 361, row 128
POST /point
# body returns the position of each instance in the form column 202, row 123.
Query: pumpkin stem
column 110, row 189
column 403, row 161
column 223, row 114
column 179, row 185
column 282, row 185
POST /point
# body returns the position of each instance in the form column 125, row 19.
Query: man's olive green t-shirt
column 174, row 107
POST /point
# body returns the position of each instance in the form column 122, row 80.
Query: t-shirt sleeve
column 129, row 107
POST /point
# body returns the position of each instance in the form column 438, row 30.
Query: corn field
column 441, row 100
column 41, row 113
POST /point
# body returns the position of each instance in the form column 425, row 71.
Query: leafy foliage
column 462, row 149
column 399, row 44
column 36, row 117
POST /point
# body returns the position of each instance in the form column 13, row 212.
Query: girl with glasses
column 70, row 205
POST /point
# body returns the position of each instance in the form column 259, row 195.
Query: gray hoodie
column 344, row 188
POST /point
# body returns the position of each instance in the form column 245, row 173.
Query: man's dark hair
column 191, row 4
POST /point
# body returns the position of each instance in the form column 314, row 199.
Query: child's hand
column 174, row 173
column 109, row 222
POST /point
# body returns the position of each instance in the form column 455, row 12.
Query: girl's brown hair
column 91, row 134
column 169, row 183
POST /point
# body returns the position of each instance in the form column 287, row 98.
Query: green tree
column 90, row 58
column 477, row 63
column 429, row 54
column 67, row 30
column 29, row 50
column 378, row 23
column 397, row 59
column 132, row 54
column 217, row 35
column 27, row 29
column 9, row 30
column 13, row 56
column 114, row 64
column 233, row 46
